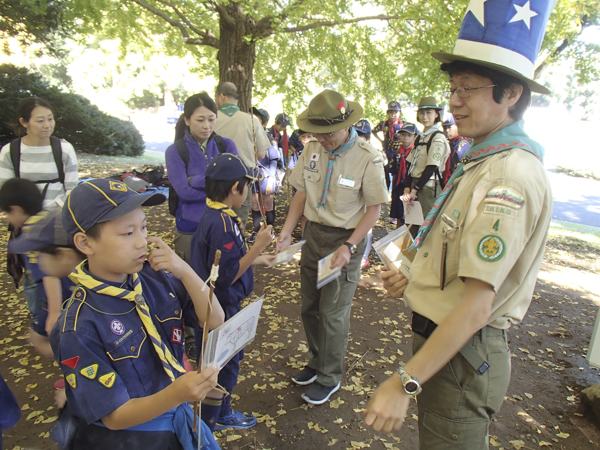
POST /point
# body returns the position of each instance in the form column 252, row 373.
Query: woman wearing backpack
column 430, row 152
column 195, row 145
column 38, row 156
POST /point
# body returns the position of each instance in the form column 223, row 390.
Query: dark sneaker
column 317, row 394
column 251, row 238
column 305, row 376
column 235, row 419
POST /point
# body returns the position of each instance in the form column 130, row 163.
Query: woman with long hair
column 195, row 145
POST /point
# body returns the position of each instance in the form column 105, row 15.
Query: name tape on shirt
column 505, row 196
column 346, row 182
column 500, row 211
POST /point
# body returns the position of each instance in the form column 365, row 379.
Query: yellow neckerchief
column 79, row 276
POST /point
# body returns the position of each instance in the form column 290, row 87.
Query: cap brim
column 134, row 202
column 304, row 124
column 450, row 57
column 22, row 245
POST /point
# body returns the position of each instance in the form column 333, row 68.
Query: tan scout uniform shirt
column 438, row 153
column 357, row 180
column 495, row 224
column 238, row 128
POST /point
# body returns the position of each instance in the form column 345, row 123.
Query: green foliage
column 32, row 19
column 77, row 120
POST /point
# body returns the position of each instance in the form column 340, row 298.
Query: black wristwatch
column 411, row 385
column 351, row 246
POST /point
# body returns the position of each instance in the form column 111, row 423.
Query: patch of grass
column 581, row 173
column 573, row 245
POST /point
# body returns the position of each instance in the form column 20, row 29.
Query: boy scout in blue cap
column 390, row 141
column 400, row 168
column 481, row 246
column 458, row 145
column 21, row 200
column 227, row 182
column 120, row 339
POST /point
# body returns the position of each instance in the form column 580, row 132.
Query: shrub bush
column 77, row 120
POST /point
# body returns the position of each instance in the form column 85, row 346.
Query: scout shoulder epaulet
column 73, row 306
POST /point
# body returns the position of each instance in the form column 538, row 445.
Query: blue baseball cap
column 362, row 126
column 40, row 231
column 228, row 167
column 99, row 201
column 283, row 119
column 394, row 106
column 449, row 121
column 409, row 128
column 261, row 112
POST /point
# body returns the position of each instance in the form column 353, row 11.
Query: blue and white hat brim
column 490, row 60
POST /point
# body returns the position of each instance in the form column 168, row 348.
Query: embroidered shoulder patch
column 378, row 161
column 437, row 156
column 90, row 371
column 500, row 211
column 506, row 196
column 107, row 380
column 71, row 362
column 71, row 380
column 491, row 248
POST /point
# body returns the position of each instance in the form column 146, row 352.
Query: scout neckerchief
column 512, row 136
column 285, row 143
column 391, row 130
column 403, row 153
column 87, row 281
column 224, row 209
column 229, row 108
column 332, row 154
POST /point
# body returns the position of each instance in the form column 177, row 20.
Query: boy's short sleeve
column 91, row 380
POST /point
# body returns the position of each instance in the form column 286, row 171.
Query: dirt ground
column 542, row 407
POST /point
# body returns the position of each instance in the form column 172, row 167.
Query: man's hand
column 409, row 196
column 388, row 406
column 341, row 257
column 284, row 240
column 264, row 260
column 394, row 282
column 164, row 258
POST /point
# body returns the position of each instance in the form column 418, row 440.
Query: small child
column 21, row 200
column 119, row 340
column 227, row 180
column 399, row 169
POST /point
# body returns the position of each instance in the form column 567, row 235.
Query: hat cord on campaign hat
column 324, row 121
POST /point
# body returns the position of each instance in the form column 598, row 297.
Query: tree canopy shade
column 32, row 19
column 367, row 49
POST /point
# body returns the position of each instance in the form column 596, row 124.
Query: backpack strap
column 57, row 153
column 183, row 151
column 15, row 156
column 220, row 143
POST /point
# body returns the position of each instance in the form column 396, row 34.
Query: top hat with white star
column 505, row 35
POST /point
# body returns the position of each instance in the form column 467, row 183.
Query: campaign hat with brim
column 40, row 231
column 329, row 111
column 503, row 36
column 429, row 103
column 99, row 201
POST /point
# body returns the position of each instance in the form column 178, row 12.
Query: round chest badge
column 491, row 248
column 313, row 164
column 117, row 327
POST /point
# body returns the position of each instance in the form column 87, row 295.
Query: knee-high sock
column 211, row 408
column 270, row 217
column 226, row 406
column 256, row 217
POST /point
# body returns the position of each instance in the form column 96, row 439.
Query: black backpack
column 184, row 154
column 437, row 173
column 15, row 156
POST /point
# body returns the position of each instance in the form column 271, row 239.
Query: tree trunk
column 236, row 57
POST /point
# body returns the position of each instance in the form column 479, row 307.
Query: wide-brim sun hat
column 429, row 103
column 503, row 36
column 329, row 111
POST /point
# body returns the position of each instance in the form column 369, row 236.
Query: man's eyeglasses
column 323, row 135
column 462, row 91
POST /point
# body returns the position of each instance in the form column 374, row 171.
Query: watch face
column 411, row 387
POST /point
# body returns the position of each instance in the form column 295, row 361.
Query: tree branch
column 206, row 38
column 325, row 23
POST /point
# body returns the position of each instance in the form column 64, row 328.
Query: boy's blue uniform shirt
column 105, row 352
column 219, row 231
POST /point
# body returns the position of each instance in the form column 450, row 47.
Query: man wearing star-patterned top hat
column 480, row 247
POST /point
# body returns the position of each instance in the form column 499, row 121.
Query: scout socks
column 270, row 217
column 225, row 406
column 211, row 407
column 256, row 220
